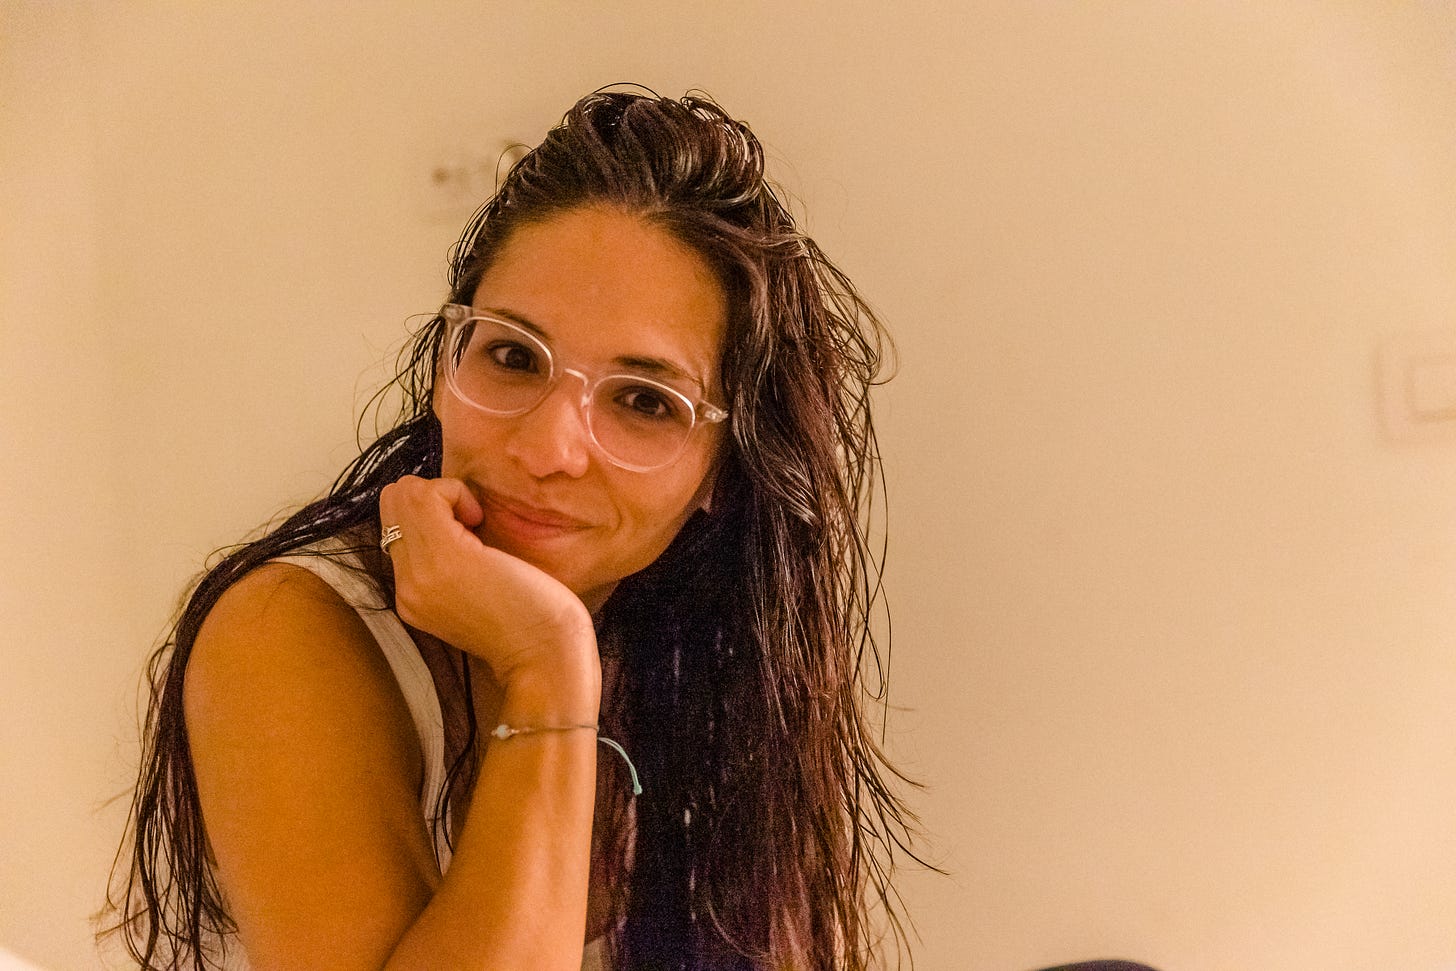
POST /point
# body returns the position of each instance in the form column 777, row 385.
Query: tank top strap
column 341, row 570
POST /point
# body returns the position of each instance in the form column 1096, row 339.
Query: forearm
column 515, row 894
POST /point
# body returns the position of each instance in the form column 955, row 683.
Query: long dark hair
column 769, row 827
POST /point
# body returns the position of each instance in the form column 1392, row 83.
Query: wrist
column 562, row 692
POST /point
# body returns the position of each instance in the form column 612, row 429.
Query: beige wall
column 1173, row 617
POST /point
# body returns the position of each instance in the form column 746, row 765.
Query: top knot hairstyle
column 768, row 830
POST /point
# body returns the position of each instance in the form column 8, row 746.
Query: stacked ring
column 389, row 535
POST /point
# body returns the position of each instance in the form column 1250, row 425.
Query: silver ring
column 389, row 535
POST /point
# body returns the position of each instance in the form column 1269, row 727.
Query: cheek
column 466, row 439
column 452, row 462
column 446, row 420
column 661, row 507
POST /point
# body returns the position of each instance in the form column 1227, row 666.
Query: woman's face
column 608, row 293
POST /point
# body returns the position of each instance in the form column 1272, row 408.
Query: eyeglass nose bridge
column 583, row 402
column 588, row 384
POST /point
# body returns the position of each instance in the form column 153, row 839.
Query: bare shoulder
column 282, row 637
column 281, row 653
column 306, row 762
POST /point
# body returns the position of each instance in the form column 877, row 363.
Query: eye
column 641, row 401
column 512, row 356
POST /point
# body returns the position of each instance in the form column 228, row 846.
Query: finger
column 432, row 515
column 406, row 508
column 395, row 514
column 395, row 496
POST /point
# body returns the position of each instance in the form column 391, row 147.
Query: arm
column 309, row 772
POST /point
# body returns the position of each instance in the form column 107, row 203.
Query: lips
column 511, row 518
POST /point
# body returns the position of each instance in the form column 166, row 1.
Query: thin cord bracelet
column 504, row 731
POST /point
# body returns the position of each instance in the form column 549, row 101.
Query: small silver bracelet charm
column 504, row 731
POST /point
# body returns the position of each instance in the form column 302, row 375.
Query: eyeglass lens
column 503, row 369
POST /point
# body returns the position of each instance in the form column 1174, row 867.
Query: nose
column 552, row 437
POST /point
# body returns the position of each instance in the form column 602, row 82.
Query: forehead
column 603, row 285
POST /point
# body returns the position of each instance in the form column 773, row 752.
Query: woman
column 625, row 498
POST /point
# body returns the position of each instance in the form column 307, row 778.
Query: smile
column 522, row 521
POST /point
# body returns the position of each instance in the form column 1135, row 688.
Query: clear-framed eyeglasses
column 502, row 369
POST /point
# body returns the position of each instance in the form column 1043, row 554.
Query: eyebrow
column 656, row 366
